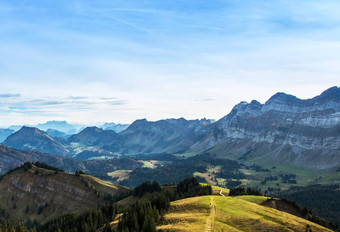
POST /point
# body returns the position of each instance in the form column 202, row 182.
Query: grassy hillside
column 39, row 194
column 218, row 213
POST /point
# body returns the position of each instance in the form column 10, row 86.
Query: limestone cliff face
column 305, row 125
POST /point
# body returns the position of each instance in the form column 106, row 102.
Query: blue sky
column 117, row 61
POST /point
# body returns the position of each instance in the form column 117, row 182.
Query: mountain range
column 283, row 130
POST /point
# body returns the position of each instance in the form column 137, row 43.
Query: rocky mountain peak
column 332, row 93
column 138, row 123
column 26, row 131
column 282, row 98
column 92, row 129
column 252, row 108
column 240, row 106
column 30, row 138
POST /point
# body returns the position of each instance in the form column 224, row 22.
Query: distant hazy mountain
column 57, row 134
column 4, row 133
column 115, row 127
column 15, row 127
column 62, row 126
column 30, row 138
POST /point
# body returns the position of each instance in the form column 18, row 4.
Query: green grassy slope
column 40, row 194
column 217, row 213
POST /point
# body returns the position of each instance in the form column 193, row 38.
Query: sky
column 91, row 62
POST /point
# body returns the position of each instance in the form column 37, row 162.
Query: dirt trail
column 211, row 218
column 221, row 193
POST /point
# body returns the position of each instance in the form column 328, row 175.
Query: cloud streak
column 9, row 95
column 64, row 105
column 205, row 100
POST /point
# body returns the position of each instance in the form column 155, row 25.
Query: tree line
column 244, row 191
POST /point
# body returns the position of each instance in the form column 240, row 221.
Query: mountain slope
column 30, row 138
column 89, row 143
column 40, row 194
column 93, row 136
column 218, row 213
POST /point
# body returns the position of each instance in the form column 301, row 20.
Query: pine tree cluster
column 146, row 187
column 144, row 215
column 244, row 191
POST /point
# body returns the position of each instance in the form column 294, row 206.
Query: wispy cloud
column 9, row 95
column 205, row 100
column 64, row 106
column 77, row 97
column 108, row 98
column 116, row 103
